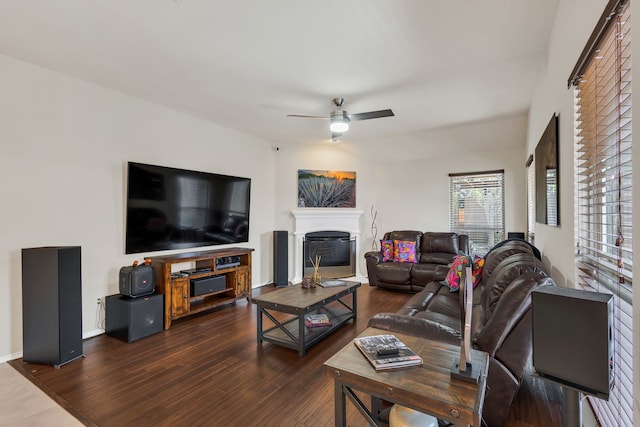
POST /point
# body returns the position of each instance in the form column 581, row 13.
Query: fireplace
column 335, row 251
column 326, row 220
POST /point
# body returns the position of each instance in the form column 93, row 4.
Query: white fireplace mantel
column 310, row 220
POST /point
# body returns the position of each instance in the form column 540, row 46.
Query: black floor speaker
column 280, row 258
column 131, row 319
column 51, row 305
column 572, row 338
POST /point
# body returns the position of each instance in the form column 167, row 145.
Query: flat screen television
column 169, row 208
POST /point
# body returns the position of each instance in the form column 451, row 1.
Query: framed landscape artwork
column 326, row 189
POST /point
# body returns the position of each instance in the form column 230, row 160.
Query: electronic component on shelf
column 206, row 285
column 227, row 262
column 191, row 271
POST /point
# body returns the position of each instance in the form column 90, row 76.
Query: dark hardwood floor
column 208, row 370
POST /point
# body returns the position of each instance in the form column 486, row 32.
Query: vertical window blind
column 602, row 81
column 531, row 199
column 476, row 208
column 552, row 197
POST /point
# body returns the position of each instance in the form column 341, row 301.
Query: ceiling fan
column 339, row 118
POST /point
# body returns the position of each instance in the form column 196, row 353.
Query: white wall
column 574, row 23
column 406, row 180
column 65, row 144
column 322, row 156
column 413, row 193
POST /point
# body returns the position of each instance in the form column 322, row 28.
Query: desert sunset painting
column 326, row 189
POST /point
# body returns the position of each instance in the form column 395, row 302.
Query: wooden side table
column 428, row 388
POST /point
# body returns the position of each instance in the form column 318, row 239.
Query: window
column 552, row 197
column 602, row 80
column 476, row 208
column 531, row 199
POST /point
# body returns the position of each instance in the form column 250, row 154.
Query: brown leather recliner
column 434, row 249
column 501, row 320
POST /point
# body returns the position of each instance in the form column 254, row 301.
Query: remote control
column 383, row 351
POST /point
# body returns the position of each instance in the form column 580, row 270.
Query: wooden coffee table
column 428, row 388
column 298, row 302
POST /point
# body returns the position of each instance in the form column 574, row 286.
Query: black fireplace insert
column 335, row 250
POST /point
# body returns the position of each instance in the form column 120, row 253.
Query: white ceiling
column 246, row 64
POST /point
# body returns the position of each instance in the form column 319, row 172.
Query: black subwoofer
column 130, row 319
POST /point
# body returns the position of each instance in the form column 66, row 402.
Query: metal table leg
column 340, row 405
column 259, row 311
column 301, row 336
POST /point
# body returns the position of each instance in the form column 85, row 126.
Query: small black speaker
column 130, row 319
column 280, row 258
column 136, row 281
column 573, row 339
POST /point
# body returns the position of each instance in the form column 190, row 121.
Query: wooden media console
column 176, row 288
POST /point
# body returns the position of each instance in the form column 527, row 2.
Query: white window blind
column 552, row 197
column 603, row 189
column 476, row 208
column 531, row 199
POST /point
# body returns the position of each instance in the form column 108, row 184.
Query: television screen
column 169, row 208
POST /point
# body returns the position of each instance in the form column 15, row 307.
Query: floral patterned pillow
column 455, row 272
column 460, row 262
column 478, row 265
column 404, row 251
column 386, row 246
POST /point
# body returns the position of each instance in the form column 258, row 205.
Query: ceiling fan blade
column 307, row 117
column 371, row 115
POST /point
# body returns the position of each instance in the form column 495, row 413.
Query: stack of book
column 317, row 320
column 387, row 352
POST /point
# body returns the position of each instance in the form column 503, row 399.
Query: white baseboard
column 91, row 334
column 18, row 355
column 9, row 357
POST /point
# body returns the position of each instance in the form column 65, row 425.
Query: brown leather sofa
column 433, row 249
column 501, row 320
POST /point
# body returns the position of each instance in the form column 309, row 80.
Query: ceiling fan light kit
column 339, row 122
column 339, row 119
column 339, row 126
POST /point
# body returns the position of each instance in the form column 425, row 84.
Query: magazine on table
column 332, row 283
column 316, row 320
column 387, row 352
